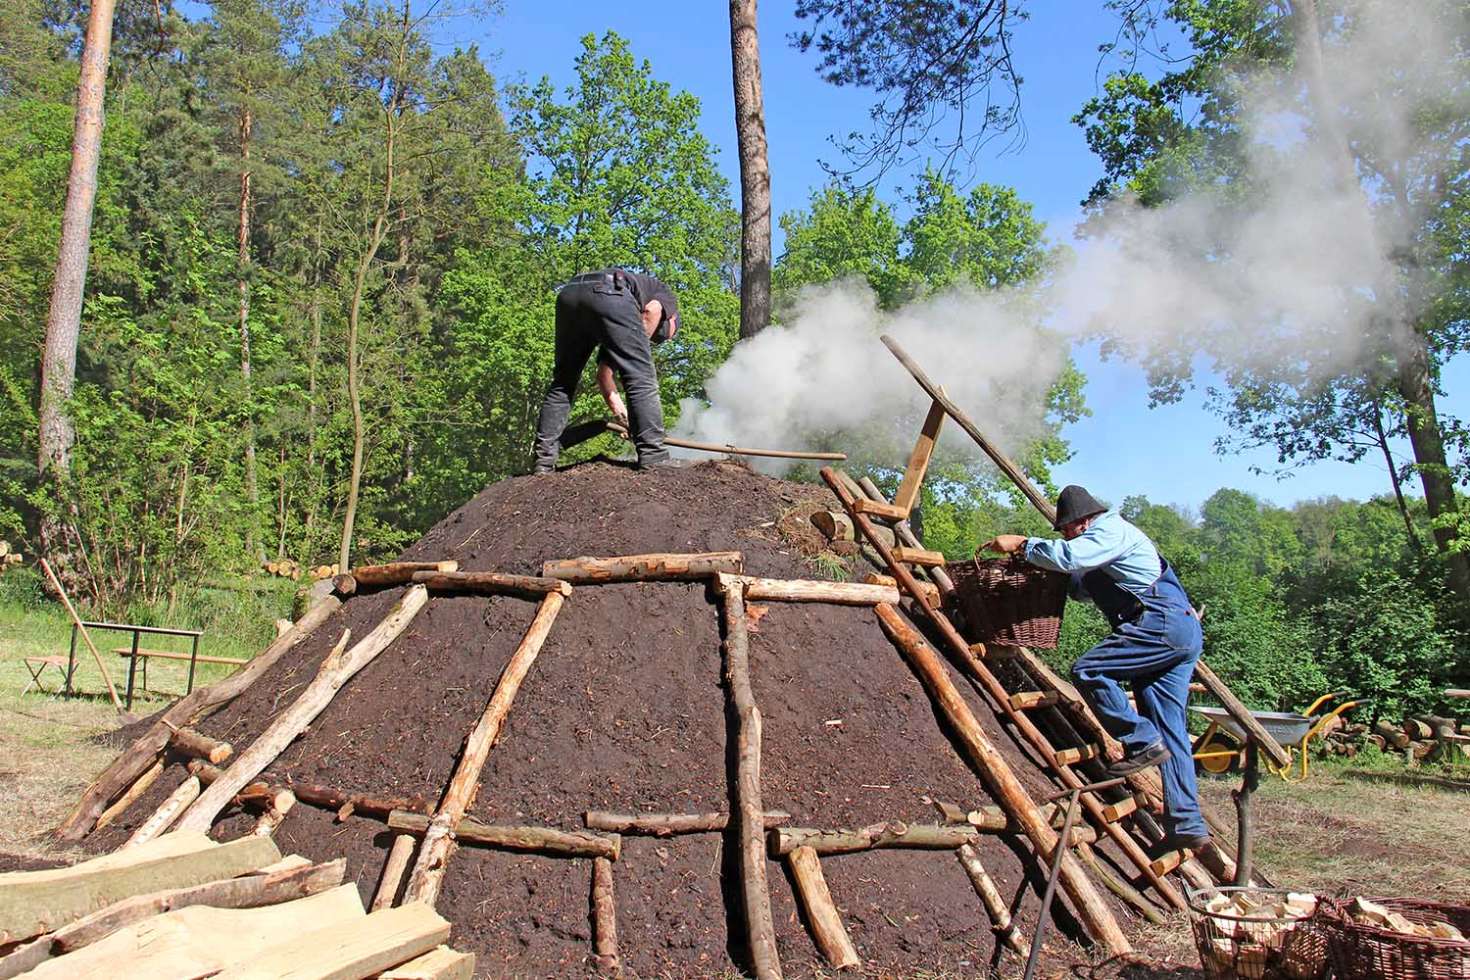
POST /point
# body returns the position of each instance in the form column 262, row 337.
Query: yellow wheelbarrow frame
column 1216, row 755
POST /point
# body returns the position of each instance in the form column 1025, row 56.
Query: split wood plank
column 748, row 813
column 37, row 902
column 1113, row 812
column 605, row 918
column 139, row 787
column 439, row 963
column 894, row 833
column 995, row 906
column 645, row 568
column 881, row 510
column 138, row 757
column 821, row 912
column 918, row 465
column 336, row 670
column 359, row 947
column 167, row 814
column 918, row 556
column 398, row 857
column 669, row 824
column 1034, row 699
column 807, row 590
column 1072, row 756
column 438, row 844
column 539, row 840
column 492, row 583
column 196, row 745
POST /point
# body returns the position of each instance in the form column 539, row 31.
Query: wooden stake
column 428, row 871
column 336, row 670
column 645, row 568
column 393, row 870
column 539, row 840
column 990, row 897
column 492, row 583
column 821, row 912
column 605, row 918
column 748, row 812
column 668, row 824
column 86, row 637
column 138, row 757
column 711, row 447
column 194, row 745
column 139, row 787
column 913, row 473
column 168, row 811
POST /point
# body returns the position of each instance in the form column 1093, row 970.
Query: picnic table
column 134, row 653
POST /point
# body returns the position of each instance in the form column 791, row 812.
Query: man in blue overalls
column 1155, row 642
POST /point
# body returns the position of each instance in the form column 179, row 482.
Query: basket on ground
column 1358, row 949
column 1010, row 601
column 1257, row 934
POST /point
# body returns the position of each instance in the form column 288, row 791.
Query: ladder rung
column 1169, row 862
column 918, row 556
column 1070, row 757
column 1033, row 699
column 1113, row 812
column 993, row 651
column 877, row 508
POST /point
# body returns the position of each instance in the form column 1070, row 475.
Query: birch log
column 605, row 918
column 990, row 897
column 645, row 568
column 167, row 813
column 821, row 911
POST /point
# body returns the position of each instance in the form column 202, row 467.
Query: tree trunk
column 64, row 317
column 755, row 171
column 1393, row 474
column 313, row 359
column 253, row 543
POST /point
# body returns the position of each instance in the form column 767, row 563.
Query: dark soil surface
column 625, row 709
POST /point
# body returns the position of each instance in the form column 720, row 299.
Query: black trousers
column 594, row 313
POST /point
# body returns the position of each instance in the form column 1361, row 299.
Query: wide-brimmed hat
column 1074, row 503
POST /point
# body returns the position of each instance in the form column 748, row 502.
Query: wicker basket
column 1359, row 951
column 1260, row 946
column 1009, row 601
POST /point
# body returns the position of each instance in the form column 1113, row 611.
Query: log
column 428, row 871
column 1391, row 734
column 357, row 948
column 1416, row 729
column 645, row 568
column 835, row 525
column 333, row 798
column 137, row 758
column 344, row 584
column 995, row 906
column 264, row 796
column 139, row 787
column 1093, row 912
column 393, row 869
column 821, row 912
column 492, row 583
column 712, row 447
column 397, row 572
column 1378, row 741
column 194, row 745
column 605, row 918
column 336, row 670
column 918, row 556
column 86, row 637
column 668, row 824
column 167, row 814
column 539, row 840
column 894, row 833
column 248, row 891
column 1419, row 751
column 748, row 813
column 439, row 963
column 929, row 590
column 807, row 590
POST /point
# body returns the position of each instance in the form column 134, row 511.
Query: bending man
column 621, row 313
column 1155, row 642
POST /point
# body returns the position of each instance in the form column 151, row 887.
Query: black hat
column 1075, row 503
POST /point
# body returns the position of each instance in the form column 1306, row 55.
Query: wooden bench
column 38, row 665
column 136, row 654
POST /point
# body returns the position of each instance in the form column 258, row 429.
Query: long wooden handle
column 712, row 447
column 66, row 601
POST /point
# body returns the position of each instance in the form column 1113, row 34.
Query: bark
column 755, row 172
column 64, row 316
column 668, row 824
column 990, row 897
column 253, row 543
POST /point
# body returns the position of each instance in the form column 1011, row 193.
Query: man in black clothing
column 622, row 313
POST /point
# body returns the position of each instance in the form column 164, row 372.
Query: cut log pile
column 185, row 906
column 1418, row 738
column 9, row 556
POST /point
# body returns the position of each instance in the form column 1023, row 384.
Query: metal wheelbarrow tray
column 1286, row 727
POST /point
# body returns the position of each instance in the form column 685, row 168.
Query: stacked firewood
column 287, row 568
column 8, row 556
column 1419, row 738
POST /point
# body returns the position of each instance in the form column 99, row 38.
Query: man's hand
column 1005, row 543
column 619, row 411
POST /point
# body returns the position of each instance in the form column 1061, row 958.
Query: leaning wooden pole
column 438, row 844
column 995, row 906
column 1000, row 780
column 87, row 637
column 827, row 928
column 746, row 810
column 336, row 670
column 135, row 760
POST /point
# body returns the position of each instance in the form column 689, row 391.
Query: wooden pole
column 539, row 840
column 87, row 637
column 138, row 757
column 995, row 906
column 397, row 572
column 1091, row 909
column 806, row 590
column 669, row 824
column 333, row 798
column 492, row 583
column 894, row 833
column 397, row 864
column 747, row 811
column 196, row 745
column 714, row 447
column 605, row 918
column 166, row 814
column 645, row 568
column 336, row 670
column 821, row 912
column 428, row 871
column 904, row 534
column 139, row 787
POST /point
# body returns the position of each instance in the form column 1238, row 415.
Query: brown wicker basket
column 1359, row 951
column 1260, row 946
column 1009, row 601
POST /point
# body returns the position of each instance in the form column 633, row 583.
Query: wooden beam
column 492, row 583
column 1072, row 756
column 913, row 474
column 428, row 870
column 821, row 912
column 669, row 824
column 645, row 568
column 1033, row 699
column 336, row 670
column 879, row 509
column 1114, row 812
column 439, row 963
column 139, row 787
column 167, row 813
column 902, row 532
column 918, row 556
column 360, row 947
column 538, row 840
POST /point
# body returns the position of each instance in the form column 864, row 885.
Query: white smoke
column 1288, row 265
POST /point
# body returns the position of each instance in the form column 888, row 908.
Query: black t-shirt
column 647, row 289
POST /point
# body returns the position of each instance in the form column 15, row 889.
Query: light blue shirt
column 1121, row 550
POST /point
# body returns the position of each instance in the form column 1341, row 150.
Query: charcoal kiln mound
column 626, row 709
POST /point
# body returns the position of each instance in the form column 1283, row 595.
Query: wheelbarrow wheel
column 1217, row 753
